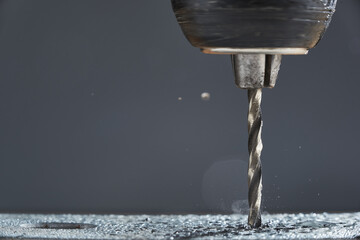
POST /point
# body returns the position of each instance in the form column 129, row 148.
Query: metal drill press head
column 254, row 26
column 255, row 32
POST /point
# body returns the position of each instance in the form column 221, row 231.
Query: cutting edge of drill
column 280, row 51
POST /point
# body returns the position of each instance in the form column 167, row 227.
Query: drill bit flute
column 255, row 147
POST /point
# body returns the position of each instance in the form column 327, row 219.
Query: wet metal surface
column 278, row 226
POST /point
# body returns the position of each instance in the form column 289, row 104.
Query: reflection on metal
column 282, row 51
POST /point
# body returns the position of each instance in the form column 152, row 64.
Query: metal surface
column 272, row 67
column 256, row 70
column 278, row 226
column 255, row 147
column 253, row 23
column 249, row 70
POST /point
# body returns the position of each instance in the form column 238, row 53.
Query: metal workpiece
column 254, row 71
column 120, row 227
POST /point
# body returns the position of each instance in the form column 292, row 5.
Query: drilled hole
column 59, row 225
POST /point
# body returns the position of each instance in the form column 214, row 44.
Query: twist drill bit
column 255, row 147
column 254, row 72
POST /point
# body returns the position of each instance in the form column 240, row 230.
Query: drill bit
column 255, row 145
column 254, row 72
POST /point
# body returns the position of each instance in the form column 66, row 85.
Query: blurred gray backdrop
column 90, row 119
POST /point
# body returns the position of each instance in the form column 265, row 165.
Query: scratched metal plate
column 279, row 226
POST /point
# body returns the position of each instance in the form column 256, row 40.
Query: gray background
column 90, row 119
